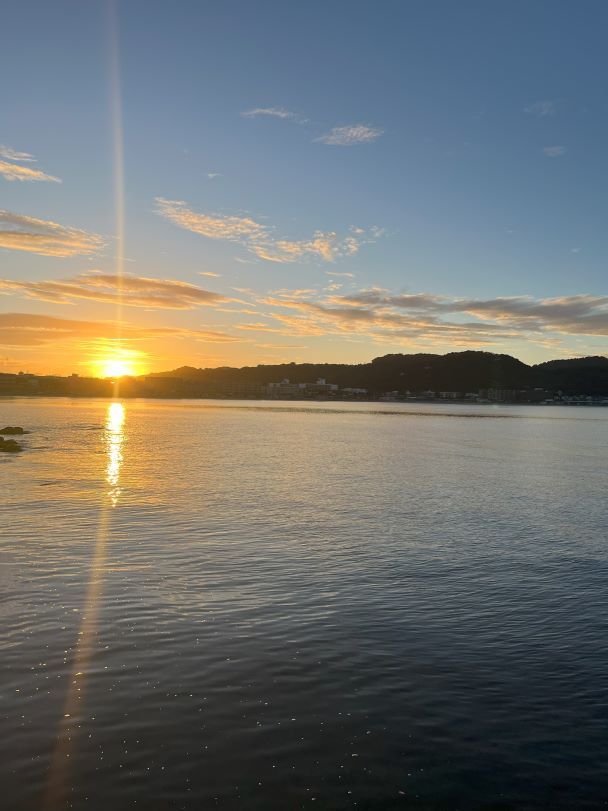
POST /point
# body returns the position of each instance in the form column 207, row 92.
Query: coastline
column 304, row 401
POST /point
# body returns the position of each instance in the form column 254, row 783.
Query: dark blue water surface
column 304, row 605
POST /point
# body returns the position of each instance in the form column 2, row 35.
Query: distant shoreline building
column 287, row 389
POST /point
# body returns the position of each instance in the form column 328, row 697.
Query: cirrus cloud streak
column 13, row 171
column 260, row 239
column 350, row 135
column 275, row 112
column 19, row 232
column 10, row 168
column 31, row 330
column 127, row 289
column 428, row 319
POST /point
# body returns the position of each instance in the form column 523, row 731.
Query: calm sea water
column 283, row 606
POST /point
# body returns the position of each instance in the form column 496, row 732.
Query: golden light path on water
column 114, row 428
column 73, row 714
column 57, row 787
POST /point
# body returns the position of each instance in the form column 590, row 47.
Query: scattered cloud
column 350, row 135
column 554, row 151
column 275, row 112
column 212, row 175
column 21, row 233
column 261, row 240
column 414, row 320
column 10, row 168
column 128, row 289
column 208, row 273
column 583, row 314
column 426, row 319
column 541, row 108
column 326, row 246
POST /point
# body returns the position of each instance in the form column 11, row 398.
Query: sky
column 232, row 183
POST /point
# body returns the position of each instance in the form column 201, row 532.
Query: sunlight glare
column 116, row 367
column 114, row 437
column 59, row 771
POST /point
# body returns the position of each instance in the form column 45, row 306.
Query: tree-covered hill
column 467, row 371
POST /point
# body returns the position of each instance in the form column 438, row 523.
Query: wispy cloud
column 209, row 273
column 541, row 108
column 242, row 261
column 261, row 327
column 21, row 233
column 129, row 289
column 212, row 175
column 261, row 240
column 579, row 314
column 554, row 151
column 424, row 319
column 275, row 112
column 213, row 226
column 14, row 171
column 10, row 168
column 302, row 293
column 326, row 246
column 13, row 155
column 28, row 330
column 281, row 346
column 209, row 336
column 350, row 135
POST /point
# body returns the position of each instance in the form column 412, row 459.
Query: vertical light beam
column 119, row 168
column 57, row 788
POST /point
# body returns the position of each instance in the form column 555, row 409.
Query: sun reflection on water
column 86, row 645
column 114, row 439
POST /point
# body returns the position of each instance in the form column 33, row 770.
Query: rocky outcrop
column 9, row 446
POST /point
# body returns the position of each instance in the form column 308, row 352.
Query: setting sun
column 109, row 359
column 116, row 367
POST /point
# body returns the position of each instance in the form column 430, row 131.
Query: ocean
column 250, row 605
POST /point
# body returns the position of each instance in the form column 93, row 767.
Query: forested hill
column 456, row 371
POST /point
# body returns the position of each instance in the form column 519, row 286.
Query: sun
column 116, row 367
column 110, row 360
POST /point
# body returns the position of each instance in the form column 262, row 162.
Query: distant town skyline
column 239, row 183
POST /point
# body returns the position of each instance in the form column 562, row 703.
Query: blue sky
column 361, row 178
